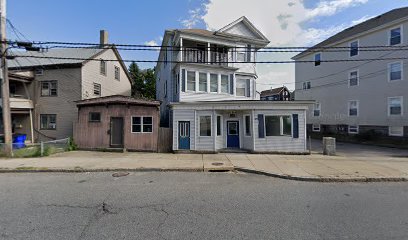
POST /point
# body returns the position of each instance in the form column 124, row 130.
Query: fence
column 165, row 140
column 38, row 149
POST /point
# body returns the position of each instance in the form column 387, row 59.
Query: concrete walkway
column 315, row 167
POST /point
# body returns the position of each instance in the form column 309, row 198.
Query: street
column 197, row 206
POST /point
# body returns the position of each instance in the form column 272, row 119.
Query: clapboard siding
column 282, row 143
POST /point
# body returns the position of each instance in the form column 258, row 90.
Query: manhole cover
column 120, row 174
column 217, row 164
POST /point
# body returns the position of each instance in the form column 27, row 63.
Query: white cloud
column 152, row 43
column 195, row 16
column 329, row 8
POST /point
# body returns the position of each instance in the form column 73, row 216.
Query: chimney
column 103, row 38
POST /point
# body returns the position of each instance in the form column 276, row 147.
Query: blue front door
column 233, row 134
column 184, row 135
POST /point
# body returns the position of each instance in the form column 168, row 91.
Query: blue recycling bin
column 19, row 141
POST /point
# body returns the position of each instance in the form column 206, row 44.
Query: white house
column 206, row 82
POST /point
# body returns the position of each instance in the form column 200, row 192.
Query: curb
column 322, row 179
column 100, row 170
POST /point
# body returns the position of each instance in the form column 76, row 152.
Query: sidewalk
column 315, row 167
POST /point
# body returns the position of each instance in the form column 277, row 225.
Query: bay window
column 191, row 81
column 224, row 84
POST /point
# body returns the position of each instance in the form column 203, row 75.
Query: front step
column 233, row 150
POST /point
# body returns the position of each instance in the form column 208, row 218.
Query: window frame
column 317, row 62
column 358, row 78
column 95, row 84
column 307, row 85
column 281, row 125
column 94, row 121
column 103, row 67
column 357, row 108
column 316, row 129
column 401, row 105
column 351, row 48
column 48, row 122
column 117, row 73
column 401, row 35
column 317, row 109
column 49, row 82
column 356, row 127
column 390, row 68
column 220, row 126
column 214, row 74
column 39, row 72
column 237, row 83
column 141, row 124
column 199, row 125
column 246, row 128
column 395, row 135
column 228, row 84
column 187, row 81
column 199, row 82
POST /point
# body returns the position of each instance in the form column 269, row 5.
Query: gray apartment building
column 43, row 91
column 369, row 93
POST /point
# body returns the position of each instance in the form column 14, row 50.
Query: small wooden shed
column 117, row 122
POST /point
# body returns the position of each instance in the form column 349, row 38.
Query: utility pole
column 8, row 144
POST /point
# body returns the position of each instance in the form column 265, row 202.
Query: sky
column 284, row 22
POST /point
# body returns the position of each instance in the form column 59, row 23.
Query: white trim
column 358, row 77
column 316, row 129
column 402, row 106
column 355, row 127
column 141, row 125
column 315, row 109
column 395, row 135
column 216, row 125
column 358, row 48
column 281, row 125
column 349, row 108
column 389, row 71
column 250, row 124
column 401, row 26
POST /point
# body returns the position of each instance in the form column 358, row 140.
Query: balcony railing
column 192, row 55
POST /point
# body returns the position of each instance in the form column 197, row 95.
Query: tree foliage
column 144, row 82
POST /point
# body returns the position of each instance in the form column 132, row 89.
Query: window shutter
column 249, row 53
column 248, row 88
column 261, row 126
column 295, row 125
column 232, row 84
column 183, row 80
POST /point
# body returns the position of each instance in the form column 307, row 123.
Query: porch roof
column 243, row 105
column 117, row 99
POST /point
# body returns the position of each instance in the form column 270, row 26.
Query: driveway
column 360, row 150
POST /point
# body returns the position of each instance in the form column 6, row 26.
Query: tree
column 137, row 79
column 144, row 82
column 150, row 84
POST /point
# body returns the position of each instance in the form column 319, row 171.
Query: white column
column 32, row 126
column 214, row 130
column 181, row 50
column 209, row 53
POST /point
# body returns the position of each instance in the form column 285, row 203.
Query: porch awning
column 20, row 103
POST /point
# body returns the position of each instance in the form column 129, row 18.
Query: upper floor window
column 213, row 83
column 202, row 82
column 142, row 124
column 395, row 71
column 103, row 67
column 395, row 36
column 353, row 108
column 354, row 48
column 353, row 79
column 241, row 56
column 94, row 117
column 48, row 121
column 317, row 109
column 49, row 88
column 97, row 89
column 39, row 71
column 117, row 73
column 242, row 88
column 191, row 81
column 307, row 85
column 395, row 106
column 317, row 59
column 224, row 84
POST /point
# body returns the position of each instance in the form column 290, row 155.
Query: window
column 191, row 81
column 165, row 89
column 354, row 48
column 142, row 124
column 117, row 73
column 307, row 85
column 97, row 89
column 395, row 106
column 395, row 71
column 49, row 88
column 48, row 121
column 219, row 126
column 214, row 83
column 39, row 71
column 241, row 89
column 396, row 131
column 353, row 108
column 318, row 59
column 395, row 36
column 224, row 84
column 316, row 128
column 205, row 126
column 353, row 129
column 317, row 110
column 278, row 126
column 247, row 125
column 241, row 56
column 202, row 82
column 103, row 67
column 94, row 117
column 353, row 79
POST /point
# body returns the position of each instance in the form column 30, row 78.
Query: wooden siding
column 165, row 141
column 94, row 135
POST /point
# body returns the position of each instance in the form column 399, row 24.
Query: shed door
column 116, row 132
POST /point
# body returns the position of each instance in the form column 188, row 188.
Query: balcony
column 204, row 53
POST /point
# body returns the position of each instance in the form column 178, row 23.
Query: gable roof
column 273, row 91
column 370, row 24
column 244, row 20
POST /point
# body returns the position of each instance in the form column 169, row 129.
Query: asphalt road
column 197, row 206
